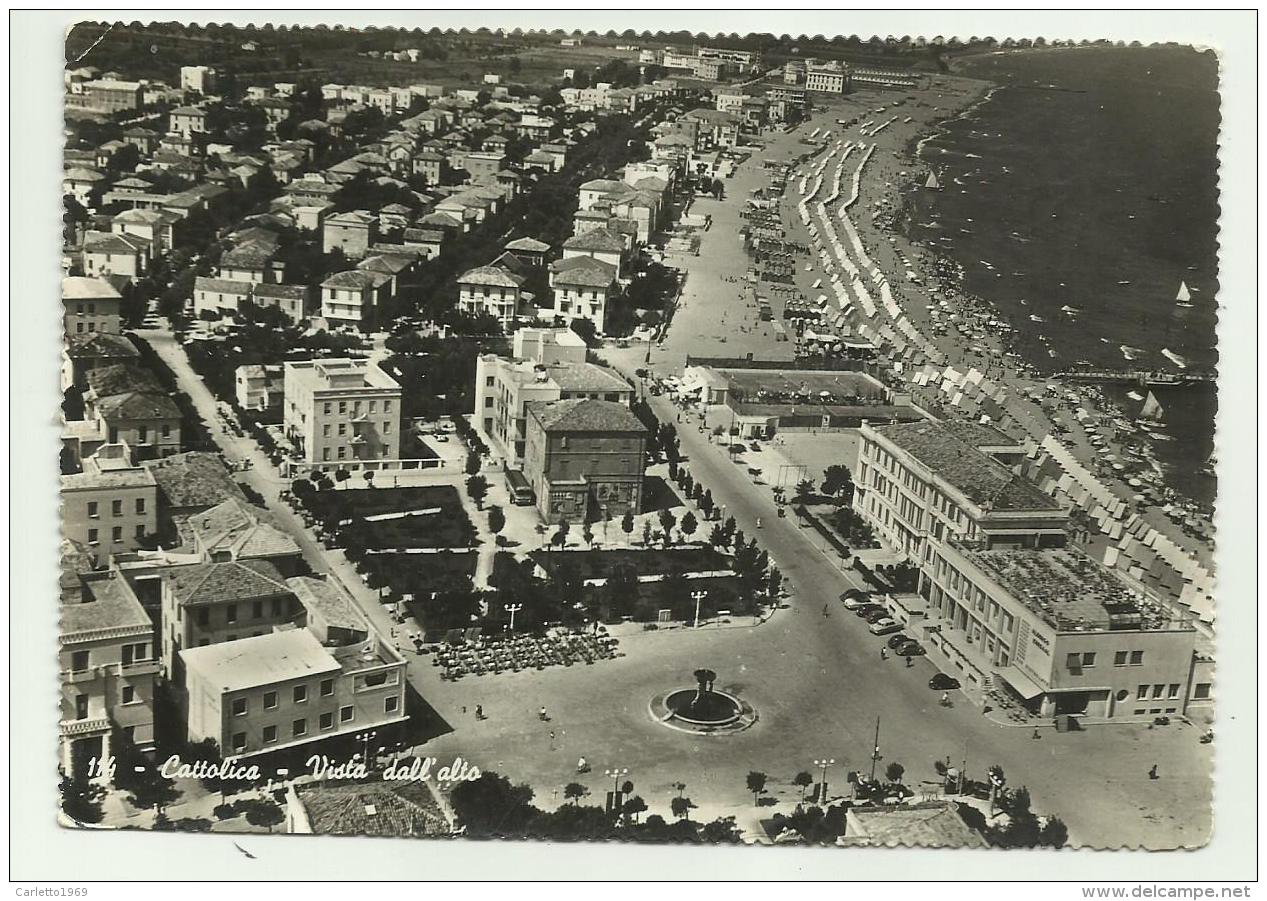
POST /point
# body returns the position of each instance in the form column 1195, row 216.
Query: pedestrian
column 479, row 711
column 1035, row 736
column 910, row 662
column 551, row 736
column 1152, row 773
column 945, row 699
column 464, row 710
column 884, row 655
column 542, row 714
column 825, row 612
column 582, row 766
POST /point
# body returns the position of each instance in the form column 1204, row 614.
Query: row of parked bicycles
column 560, row 647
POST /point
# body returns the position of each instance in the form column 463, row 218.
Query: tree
column 689, row 525
column 587, row 533
column 633, row 807
column 260, row 812
column 341, row 475
column 838, row 481
column 627, row 523
column 647, row 530
column 804, row 488
column 717, row 536
column 496, row 521
column 706, row 503
column 1053, row 833
column 756, row 784
column 803, row 780
column 774, row 581
column 681, row 807
column 667, row 522
column 81, row 800
column 894, row 772
column 477, row 488
column 473, row 464
column 574, row 792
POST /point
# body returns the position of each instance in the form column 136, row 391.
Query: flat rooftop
column 261, row 660
column 340, row 374
column 978, row 476
column 1071, row 590
column 777, row 386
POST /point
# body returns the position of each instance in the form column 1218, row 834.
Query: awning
column 1022, row 684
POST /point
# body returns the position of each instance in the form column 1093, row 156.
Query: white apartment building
column 341, row 412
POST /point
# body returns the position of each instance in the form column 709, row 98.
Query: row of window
column 299, row 727
column 202, row 615
column 116, row 534
column 342, row 453
column 80, row 661
column 1172, row 691
column 327, row 407
column 298, row 694
column 116, row 508
column 1086, row 659
column 343, row 426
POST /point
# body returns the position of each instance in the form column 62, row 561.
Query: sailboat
column 932, row 183
column 1152, row 409
column 1184, row 297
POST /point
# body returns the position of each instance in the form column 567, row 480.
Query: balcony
column 91, row 726
column 80, row 676
column 140, row 668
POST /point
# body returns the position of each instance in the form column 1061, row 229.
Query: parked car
column 898, row 640
column 884, row 626
column 868, row 608
column 910, row 648
column 857, row 602
column 942, row 682
column 876, row 615
column 441, row 438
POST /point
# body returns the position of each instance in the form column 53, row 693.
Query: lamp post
column 615, row 774
column 875, row 752
column 822, row 767
column 512, row 609
column 699, row 597
column 365, row 739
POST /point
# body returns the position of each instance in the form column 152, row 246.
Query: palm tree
column 803, row 780
column 574, row 792
column 756, row 784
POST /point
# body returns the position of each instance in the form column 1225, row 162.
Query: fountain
column 703, row 709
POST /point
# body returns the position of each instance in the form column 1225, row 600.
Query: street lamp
column 512, row 609
column 615, row 774
column 365, row 738
column 699, row 597
column 822, row 781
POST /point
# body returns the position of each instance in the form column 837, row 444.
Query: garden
column 364, row 520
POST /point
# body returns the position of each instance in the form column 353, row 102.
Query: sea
column 1084, row 191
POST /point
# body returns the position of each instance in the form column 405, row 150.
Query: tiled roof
column 100, row 345
column 494, row 276
column 325, row 600
column 379, row 808
column 108, row 243
column 597, row 239
column 283, row 292
column 424, row 235
column 118, row 378
column 933, row 825
column 194, row 479
column 981, row 478
column 221, row 285
column 587, row 377
column 137, row 405
column 79, row 287
column 355, row 278
column 213, row 583
column 585, row 415
column 531, row 245
column 387, row 264
column 584, row 272
column 248, row 256
column 241, row 529
column 111, row 605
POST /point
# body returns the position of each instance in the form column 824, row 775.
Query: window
column 116, row 534
column 79, row 661
column 140, row 530
column 343, row 429
column 1123, row 695
column 387, row 406
column 326, row 408
column 1172, row 691
column 270, row 700
column 387, row 428
column 327, row 687
column 116, row 508
column 488, row 401
column 92, row 536
column 1088, row 658
column 325, row 453
column 140, row 505
column 231, row 613
column 1119, row 658
column 301, row 694
column 270, row 734
column 373, row 406
column 1157, row 690
column 239, row 706
column 299, row 727
column 92, row 509
column 127, row 695
column 325, row 430
column 391, row 703
column 1137, row 658
column 327, row 721
column 239, row 741
column 345, row 714
column 142, row 434
column 166, row 430
column 81, row 707
column 1073, row 661
column 1141, row 693
column 257, row 609
column 343, row 452
column 343, row 407
column 1201, row 691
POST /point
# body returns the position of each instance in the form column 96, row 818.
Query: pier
column 1149, row 378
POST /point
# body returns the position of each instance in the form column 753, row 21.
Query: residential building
column 546, row 365
column 129, row 407
column 110, row 507
column 485, row 163
column 530, row 250
column 598, row 244
column 187, row 121
column 191, row 483
column 90, row 305
column 584, row 456
column 197, row 79
column 354, row 296
column 90, row 350
column 794, row 72
column 827, row 77
column 219, row 296
column 430, row 165
column 259, row 388
column 216, row 602
column 83, row 184
column 329, row 675
column 113, row 96
column 922, row 482
column 109, row 254
column 155, row 226
column 491, row 290
column 234, row 530
column 342, row 411
column 249, row 262
column 351, row 232
column 583, row 287
column 107, row 660
column 143, row 139
column 292, row 300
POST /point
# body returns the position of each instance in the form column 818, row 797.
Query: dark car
column 876, row 615
column 911, row 648
column 942, row 682
column 867, row 609
column 898, row 640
